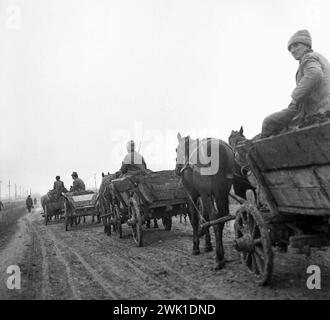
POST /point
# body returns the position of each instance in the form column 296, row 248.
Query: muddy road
column 84, row 263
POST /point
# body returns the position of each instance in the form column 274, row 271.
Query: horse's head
column 182, row 153
column 236, row 137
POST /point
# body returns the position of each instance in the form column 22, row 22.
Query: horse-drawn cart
column 292, row 171
column 140, row 197
column 78, row 205
column 53, row 206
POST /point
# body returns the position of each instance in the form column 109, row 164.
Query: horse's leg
column 148, row 224
column 155, row 223
column 206, row 215
column 194, row 223
column 223, row 207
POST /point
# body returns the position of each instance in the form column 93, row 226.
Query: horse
column 241, row 183
column 105, row 200
column 207, row 180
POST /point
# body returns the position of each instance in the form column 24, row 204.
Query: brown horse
column 241, row 183
column 206, row 168
column 105, row 200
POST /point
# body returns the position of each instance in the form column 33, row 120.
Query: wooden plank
column 165, row 203
column 313, row 176
column 311, row 197
column 305, row 211
column 307, row 146
column 271, row 200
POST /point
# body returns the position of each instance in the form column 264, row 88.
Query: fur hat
column 301, row 36
column 74, row 174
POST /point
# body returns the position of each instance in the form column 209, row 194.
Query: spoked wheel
column 137, row 226
column 117, row 226
column 77, row 220
column 253, row 241
column 46, row 215
column 167, row 223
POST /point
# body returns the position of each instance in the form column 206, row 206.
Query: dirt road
column 84, row 263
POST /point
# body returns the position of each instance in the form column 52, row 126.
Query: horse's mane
column 106, row 180
column 236, row 138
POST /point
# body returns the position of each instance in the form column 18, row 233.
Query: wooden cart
column 292, row 171
column 79, row 204
column 139, row 197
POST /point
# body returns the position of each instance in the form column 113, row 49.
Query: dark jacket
column 29, row 202
column 59, row 186
column 78, row 185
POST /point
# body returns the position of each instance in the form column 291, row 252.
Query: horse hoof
column 219, row 265
column 196, row 252
column 208, row 249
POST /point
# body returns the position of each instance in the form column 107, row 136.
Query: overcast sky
column 80, row 78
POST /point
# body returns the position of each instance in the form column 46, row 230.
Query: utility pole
column 9, row 186
column 95, row 181
column 20, row 191
column 15, row 192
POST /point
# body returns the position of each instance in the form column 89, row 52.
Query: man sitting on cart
column 311, row 97
column 133, row 160
column 78, row 185
column 59, row 186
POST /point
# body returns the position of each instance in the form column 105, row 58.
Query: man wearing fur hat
column 312, row 93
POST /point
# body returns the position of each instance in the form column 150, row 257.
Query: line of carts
column 134, row 199
column 292, row 172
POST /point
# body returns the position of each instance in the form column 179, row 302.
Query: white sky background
column 78, row 79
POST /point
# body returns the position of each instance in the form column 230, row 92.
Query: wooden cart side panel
column 305, row 187
column 308, row 146
column 308, row 177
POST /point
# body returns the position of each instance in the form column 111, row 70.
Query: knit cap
column 301, row 36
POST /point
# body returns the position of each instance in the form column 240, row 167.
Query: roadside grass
column 8, row 218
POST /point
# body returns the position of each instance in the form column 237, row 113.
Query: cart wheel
column 46, row 215
column 253, row 241
column 117, row 226
column 66, row 218
column 167, row 223
column 137, row 228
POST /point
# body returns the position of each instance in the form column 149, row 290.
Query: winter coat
column 312, row 92
column 78, row 185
